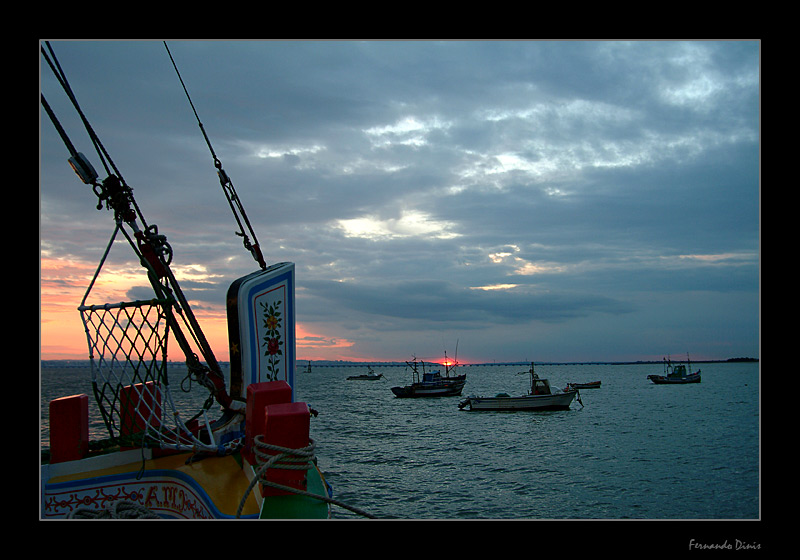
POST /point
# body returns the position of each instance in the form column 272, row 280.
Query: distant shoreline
column 332, row 363
column 336, row 363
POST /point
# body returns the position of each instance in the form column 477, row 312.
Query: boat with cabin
column 246, row 451
column 541, row 396
column 676, row 374
column 432, row 383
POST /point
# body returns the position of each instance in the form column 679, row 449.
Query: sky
column 508, row 200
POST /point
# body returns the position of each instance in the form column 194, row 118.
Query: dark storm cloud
column 469, row 183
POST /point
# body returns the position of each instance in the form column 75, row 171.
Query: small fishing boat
column 371, row 376
column 676, row 374
column 540, row 397
column 432, row 383
column 254, row 461
column 590, row 385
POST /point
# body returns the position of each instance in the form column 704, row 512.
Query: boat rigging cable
column 154, row 253
column 226, row 183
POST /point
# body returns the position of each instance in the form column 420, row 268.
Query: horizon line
column 328, row 362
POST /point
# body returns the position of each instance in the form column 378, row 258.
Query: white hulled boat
column 540, row 397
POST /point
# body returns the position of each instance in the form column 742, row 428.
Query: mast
column 152, row 248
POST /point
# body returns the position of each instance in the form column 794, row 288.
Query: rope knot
column 274, row 456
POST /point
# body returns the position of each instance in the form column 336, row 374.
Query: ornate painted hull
column 171, row 488
column 558, row 401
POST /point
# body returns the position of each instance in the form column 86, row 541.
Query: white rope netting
column 128, row 353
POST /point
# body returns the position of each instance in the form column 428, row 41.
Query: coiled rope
column 122, row 509
column 287, row 458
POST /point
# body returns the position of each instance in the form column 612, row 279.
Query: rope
column 152, row 249
column 121, row 190
column 227, row 185
column 286, row 458
column 121, row 509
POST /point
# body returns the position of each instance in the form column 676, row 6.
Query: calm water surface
column 634, row 450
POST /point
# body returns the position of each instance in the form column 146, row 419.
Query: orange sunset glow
column 63, row 284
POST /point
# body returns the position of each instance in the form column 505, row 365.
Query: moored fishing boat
column 589, row 385
column 370, row 376
column 540, row 397
column 255, row 459
column 432, row 383
column 676, row 374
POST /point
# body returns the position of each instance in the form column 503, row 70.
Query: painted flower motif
column 272, row 339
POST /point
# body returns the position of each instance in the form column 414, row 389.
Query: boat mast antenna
column 227, row 185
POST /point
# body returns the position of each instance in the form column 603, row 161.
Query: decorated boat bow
column 255, row 460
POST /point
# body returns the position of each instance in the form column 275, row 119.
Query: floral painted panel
column 270, row 308
column 261, row 325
